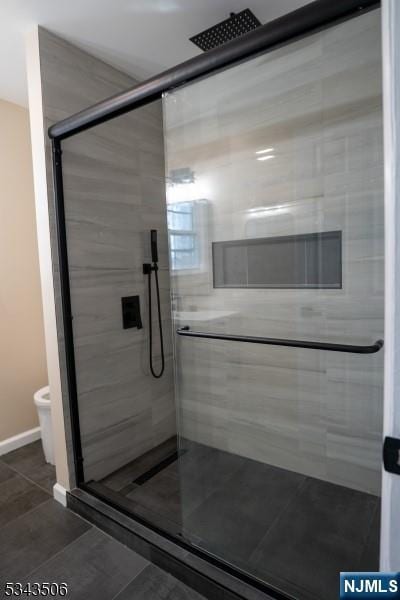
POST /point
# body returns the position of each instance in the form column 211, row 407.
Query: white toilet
column 43, row 405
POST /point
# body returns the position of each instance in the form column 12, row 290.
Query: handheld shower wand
column 154, row 247
column 148, row 268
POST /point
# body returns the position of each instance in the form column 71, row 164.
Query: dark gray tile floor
column 40, row 541
column 157, row 585
column 29, row 461
column 291, row 531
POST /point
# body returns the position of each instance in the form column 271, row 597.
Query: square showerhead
column 234, row 27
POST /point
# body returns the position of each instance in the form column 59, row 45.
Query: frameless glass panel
column 281, row 447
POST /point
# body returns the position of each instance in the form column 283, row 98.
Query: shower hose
column 153, row 372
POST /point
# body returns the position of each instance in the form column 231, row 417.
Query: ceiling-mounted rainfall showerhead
column 237, row 24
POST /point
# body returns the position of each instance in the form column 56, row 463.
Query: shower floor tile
column 17, row 496
column 294, row 532
column 155, row 584
column 324, row 530
column 233, row 519
column 161, row 496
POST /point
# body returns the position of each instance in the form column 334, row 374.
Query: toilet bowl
column 43, row 405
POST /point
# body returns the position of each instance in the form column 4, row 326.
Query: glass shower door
column 275, row 215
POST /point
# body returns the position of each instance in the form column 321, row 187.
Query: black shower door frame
column 315, row 16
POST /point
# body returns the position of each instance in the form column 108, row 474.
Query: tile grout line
column 78, row 539
column 129, row 582
column 58, row 552
column 279, row 515
column 26, row 477
column 25, row 513
column 42, row 489
column 20, row 494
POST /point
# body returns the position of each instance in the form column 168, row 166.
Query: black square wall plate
column 131, row 312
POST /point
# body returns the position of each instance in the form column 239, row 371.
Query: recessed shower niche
column 311, row 260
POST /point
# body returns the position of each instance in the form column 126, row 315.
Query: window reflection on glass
column 183, row 237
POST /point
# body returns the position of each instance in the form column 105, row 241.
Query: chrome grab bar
column 187, row 332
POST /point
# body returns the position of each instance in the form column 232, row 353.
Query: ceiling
column 141, row 37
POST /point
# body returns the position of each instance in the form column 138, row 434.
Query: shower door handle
column 375, row 347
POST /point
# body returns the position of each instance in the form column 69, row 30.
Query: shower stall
column 253, row 435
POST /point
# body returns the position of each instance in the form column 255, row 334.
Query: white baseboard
column 60, row 494
column 17, row 441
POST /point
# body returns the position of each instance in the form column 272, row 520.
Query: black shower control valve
column 146, row 268
column 131, row 312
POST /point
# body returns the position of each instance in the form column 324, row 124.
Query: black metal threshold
column 197, row 569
